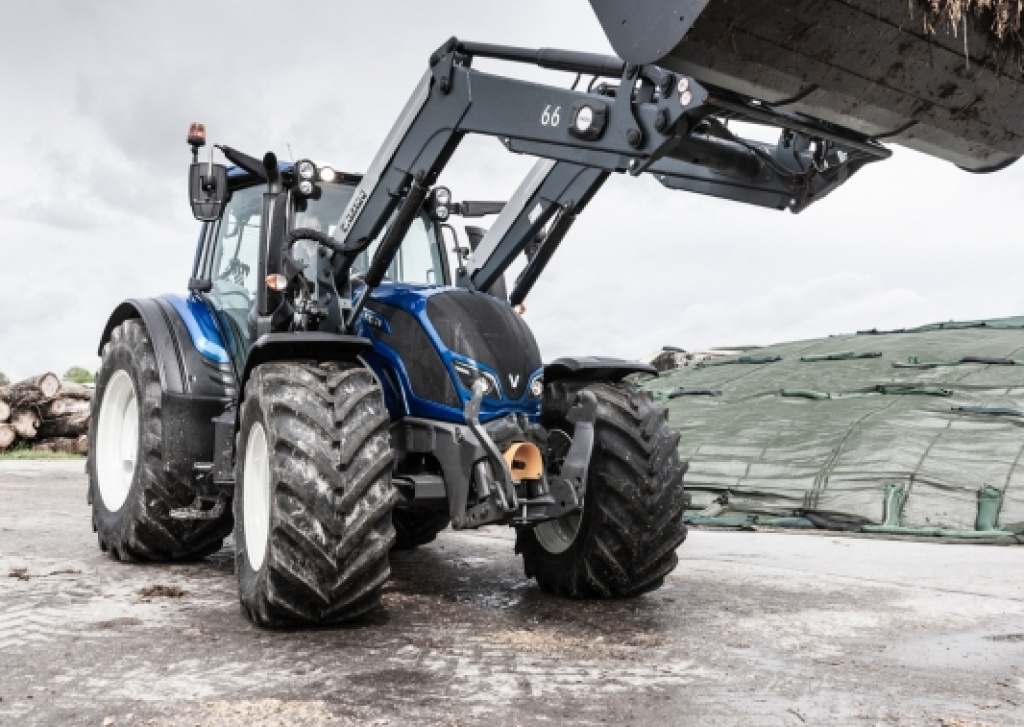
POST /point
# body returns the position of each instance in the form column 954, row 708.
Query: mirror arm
column 246, row 162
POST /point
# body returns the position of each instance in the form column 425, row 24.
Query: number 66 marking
column 549, row 117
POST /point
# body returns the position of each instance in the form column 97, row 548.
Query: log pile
column 45, row 414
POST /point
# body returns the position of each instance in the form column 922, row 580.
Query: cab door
column 231, row 264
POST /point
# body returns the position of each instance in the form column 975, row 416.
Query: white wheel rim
column 256, row 496
column 555, row 536
column 117, row 440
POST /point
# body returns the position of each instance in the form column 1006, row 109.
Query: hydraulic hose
column 407, row 213
column 305, row 233
column 396, row 233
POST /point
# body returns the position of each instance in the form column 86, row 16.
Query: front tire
column 313, row 494
column 624, row 541
column 130, row 493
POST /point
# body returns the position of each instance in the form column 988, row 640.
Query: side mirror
column 208, row 190
column 207, row 183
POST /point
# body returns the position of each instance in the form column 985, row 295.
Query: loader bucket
column 883, row 68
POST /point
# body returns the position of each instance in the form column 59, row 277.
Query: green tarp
column 820, row 428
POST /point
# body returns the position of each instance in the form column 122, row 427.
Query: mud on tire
column 328, row 497
column 631, row 522
column 418, row 527
column 141, row 528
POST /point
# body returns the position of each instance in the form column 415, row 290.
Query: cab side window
column 418, row 259
column 232, row 267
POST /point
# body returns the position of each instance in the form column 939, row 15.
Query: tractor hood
column 432, row 343
column 866, row 65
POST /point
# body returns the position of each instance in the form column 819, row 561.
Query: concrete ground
column 751, row 629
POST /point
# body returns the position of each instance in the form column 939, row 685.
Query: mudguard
column 303, row 347
column 188, row 347
column 196, row 375
column 594, row 368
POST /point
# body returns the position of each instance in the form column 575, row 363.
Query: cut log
column 25, row 423
column 5, row 411
column 72, row 425
column 30, row 392
column 7, row 436
column 63, row 407
column 72, row 390
column 70, row 445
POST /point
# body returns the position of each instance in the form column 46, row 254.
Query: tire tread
column 636, row 500
column 331, row 469
column 145, row 531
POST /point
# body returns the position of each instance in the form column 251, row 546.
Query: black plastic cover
column 594, row 368
column 487, row 330
column 303, row 347
column 427, row 373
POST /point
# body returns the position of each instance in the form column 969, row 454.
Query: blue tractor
column 249, row 406
column 330, row 388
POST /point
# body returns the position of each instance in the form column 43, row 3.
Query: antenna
column 291, row 157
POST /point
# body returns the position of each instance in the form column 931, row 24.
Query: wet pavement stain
column 463, row 638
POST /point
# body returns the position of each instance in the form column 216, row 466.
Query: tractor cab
column 227, row 264
column 430, row 341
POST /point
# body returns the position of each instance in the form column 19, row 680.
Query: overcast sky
column 96, row 98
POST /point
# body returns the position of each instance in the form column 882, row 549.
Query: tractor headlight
column 440, row 205
column 305, row 169
column 306, row 188
column 469, row 375
column 327, row 174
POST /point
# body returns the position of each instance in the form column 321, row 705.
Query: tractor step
column 196, row 512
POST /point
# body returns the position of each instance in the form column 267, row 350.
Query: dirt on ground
column 751, row 629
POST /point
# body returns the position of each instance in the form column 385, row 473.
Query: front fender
column 197, row 379
column 303, row 347
column 594, row 368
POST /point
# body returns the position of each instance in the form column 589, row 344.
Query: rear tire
column 130, row 493
column 414, row 528
column 313, row 494
column 624, row 542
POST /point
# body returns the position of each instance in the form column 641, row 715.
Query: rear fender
column 197, row 385
column 191, row 357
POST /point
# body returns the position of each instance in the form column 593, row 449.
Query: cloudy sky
column 96, row 98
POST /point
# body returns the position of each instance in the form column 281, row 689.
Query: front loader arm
column 453, row 99
column 651, row 117
column 553, row 195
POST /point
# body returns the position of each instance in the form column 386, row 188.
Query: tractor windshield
column 418, row 260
